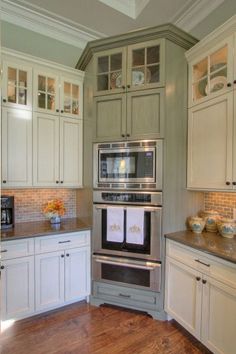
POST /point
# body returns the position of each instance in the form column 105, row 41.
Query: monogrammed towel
column 115, row 224
column 134, row 226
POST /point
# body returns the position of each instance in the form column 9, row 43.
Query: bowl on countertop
column 197, row 224
column 227, row 227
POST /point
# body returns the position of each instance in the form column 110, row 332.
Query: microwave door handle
column 129, row 265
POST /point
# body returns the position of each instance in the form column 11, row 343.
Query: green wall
column 32, row 43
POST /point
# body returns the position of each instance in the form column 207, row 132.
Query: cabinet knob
column 67, row 255
column 198, row 278
column 123, row 87
column 123, row 135
column 4, row 181
column 61, row 181
column 204, row 281
column 128, row 135
column 62, row 111
column 229, row 84
column 227, row 183
column 62, row 256
column 57, row 181
column 234, row 183
column 2, row 267
column 234, row 81
column 57, row 110
column 4, row 100
column 128, row 86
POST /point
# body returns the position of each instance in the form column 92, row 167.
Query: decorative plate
column 216, row 84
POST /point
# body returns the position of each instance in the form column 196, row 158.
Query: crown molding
column 30, row 17
column 189, row 17
column 131, row 8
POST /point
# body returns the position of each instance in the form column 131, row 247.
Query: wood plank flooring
column 84, row 329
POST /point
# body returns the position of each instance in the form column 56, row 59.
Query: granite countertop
column 211, row 243
column 44, row 228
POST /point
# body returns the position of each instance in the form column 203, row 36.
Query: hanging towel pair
column 134, row 225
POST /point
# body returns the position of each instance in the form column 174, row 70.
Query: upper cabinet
column 57, row 94
column 212, row 111
column 42, row 125
column 17, row 85
column 212, row 73
column 134, row 67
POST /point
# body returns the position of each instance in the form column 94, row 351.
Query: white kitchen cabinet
column 212, row 107
column 17, row 84
column 17, row 279
column 49, row 280
column 16, row 147
column 58, row 152
column 201, row 296
column 56, row 93
column 62, row 276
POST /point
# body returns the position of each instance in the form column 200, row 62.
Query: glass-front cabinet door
column 71, row 98
column 17, row 86
column 46, row 91
column 110, row 69
column 212, row 74
column 145, row 65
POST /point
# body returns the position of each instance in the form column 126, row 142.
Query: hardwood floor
column 84, row 329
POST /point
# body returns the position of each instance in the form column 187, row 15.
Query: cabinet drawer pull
column 198, row 278
column 64, row 241
column 3, row 251
column 205, row 264
column 204, row 281
column 125, row 296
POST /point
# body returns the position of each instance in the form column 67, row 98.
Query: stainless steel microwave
column 128, row 165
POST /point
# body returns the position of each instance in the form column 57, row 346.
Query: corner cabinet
column 42, row 130
column 129, row 99
column 212, row 107
column 201, row 295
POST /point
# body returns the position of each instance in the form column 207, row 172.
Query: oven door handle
column 105, row 206
column 151, row 266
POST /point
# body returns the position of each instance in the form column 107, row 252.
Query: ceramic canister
column 227, row 227
column 211, row 217
column 196, row 224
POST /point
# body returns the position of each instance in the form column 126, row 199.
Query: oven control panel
column 128, row 197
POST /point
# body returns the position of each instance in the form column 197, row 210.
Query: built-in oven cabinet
column 135, row 115
column 148, row 301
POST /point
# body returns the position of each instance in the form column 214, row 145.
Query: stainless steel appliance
column 7, row 211
column 128, row 165
column 124, row 263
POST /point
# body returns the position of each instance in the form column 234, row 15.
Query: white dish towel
column 135, row 225
column 115, row 224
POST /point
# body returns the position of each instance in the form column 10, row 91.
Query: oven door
column 127, row 272
column 151, row 247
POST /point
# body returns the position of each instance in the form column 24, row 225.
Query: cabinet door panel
column 77, row 273
column 110, row 113
column 17, row 300
column 46, row 92
column 71, row 152
column 145, row 114
column 46, row 149
column 71, row 97
column 210, row 144
column 219, row 317
column 49, row 280
column 16, row 147
column 183, row 295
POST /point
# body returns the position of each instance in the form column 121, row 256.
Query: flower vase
column 55, row 219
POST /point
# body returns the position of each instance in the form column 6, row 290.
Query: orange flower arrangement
column 54, row 208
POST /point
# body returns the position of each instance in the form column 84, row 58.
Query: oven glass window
column 126, row 275
column 126, row 165
column 124, row 246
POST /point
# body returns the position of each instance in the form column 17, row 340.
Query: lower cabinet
column 61, row 277
column 42, row 273
column 202, row 296
column 17, row 287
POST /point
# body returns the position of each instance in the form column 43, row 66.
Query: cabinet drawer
column 17, row 248
column 61, row 242
column 126, row 295
column 210, row 265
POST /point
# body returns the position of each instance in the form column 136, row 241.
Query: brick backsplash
column 221, row 202
column 29, row 202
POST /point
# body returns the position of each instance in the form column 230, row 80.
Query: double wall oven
column 127, row 213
